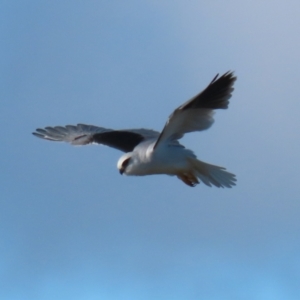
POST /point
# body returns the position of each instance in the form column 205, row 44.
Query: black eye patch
column 125, row 163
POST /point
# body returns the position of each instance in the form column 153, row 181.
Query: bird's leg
column 188, row 178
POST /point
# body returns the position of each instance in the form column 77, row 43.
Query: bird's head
column 124, row 162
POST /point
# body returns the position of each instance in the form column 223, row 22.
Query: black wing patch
column 215, row 96
column 122, row 140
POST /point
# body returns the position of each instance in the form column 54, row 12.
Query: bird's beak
column 121, row 171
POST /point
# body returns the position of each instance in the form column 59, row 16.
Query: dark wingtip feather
column 216, row 95
column 43, row 134
column 37, row 134
column 218, row 92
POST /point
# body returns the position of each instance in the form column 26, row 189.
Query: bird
column 149, row 152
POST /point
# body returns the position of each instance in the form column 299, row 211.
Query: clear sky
column 72, row 228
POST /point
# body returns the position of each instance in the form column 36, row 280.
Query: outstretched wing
column 124, row 140
column 197, row 113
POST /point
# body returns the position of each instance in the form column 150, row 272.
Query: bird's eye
column 125, row 163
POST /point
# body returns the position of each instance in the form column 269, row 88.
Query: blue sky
column 72, row 228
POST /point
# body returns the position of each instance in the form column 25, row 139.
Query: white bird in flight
column 149, row 152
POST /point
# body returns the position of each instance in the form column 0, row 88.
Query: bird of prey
column 149, row 152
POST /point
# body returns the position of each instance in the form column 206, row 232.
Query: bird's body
column 149, row 152
column 149, row 161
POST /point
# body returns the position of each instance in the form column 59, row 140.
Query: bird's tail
column 212, row 175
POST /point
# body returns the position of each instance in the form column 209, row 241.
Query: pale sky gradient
column 72, row 228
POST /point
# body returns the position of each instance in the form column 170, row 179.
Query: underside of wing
column 124, row 140
column 81, row 134
column 197, row 113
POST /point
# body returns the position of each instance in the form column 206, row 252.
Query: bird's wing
column 124, row 140
column 197, row 113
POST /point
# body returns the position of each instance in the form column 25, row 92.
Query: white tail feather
column 212, row 175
